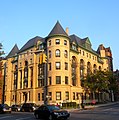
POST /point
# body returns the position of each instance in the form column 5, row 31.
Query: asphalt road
column 110, row 112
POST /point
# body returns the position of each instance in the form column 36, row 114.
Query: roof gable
column 14, row 51
column 86, row 43
column 75, row 39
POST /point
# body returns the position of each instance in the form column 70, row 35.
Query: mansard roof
column 57, row 30
column 14, row 51
column 31, row 43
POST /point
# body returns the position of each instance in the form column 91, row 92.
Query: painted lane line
column 23, row 118
column 5, row 117
column 107, row 109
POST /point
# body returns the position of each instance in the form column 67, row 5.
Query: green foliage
column 100, row 81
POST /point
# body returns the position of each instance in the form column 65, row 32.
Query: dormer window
column 74, row 47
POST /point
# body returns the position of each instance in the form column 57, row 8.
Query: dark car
column 5, row 108
column 28, row 107
column 15, row 107
column 51, row 112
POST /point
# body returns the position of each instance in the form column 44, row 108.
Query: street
column 110, row 112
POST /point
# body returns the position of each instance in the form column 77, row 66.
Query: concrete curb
column 91, row 107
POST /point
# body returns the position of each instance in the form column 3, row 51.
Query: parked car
column 51, row 112
column 28, row 107
column 15, row 107
column 5, row 108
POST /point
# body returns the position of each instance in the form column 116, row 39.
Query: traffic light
column 41, row 58
column 44, row 58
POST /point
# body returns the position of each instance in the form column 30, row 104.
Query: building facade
column 51, row 68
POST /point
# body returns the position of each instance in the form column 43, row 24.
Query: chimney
column 67, row 30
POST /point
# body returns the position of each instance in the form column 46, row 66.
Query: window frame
column 66, row 66
column 57, row 53
column 57, row 67
column 58, row 95
column 65, row 42
column 65, row 54
column 57, row 41
column 58, row 79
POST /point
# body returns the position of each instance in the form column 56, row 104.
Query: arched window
column 57, row 53
column 94, row 68
column 99, row 67
column 81, row 68
column 88, row 68
column 65, row 54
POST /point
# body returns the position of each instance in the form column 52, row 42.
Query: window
column 38, row 96
column 20, row 64
column 31, row 61
column 40, row 82
column 49, row 53
column 77, row 96
column 49, row 42
column 57, row 64
column 31, row 76
column 42, row 96
column 58, row 79
column 50, row 81
column 57, row 53
column 93, row 57
column 66, row 66
column 20, row 56
column 57, row 41
column 49, row 66
column 20, row 78
column 73, row 95
column 50, row 95
column 67, row 95
column 83, row 53
column 58, row 95
column 40, row 70
column 87, row 54
column 65, row 42
column 80, row 51
column 65, row 54
column 31, row 51
column 74, row 47
column 66, row 79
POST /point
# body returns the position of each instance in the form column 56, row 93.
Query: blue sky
column 21, row 20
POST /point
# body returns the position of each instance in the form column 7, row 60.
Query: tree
column 98, row 82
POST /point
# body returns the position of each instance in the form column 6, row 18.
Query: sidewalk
column 91, row 107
